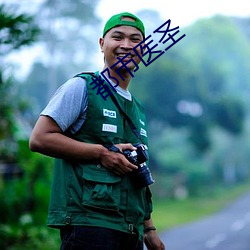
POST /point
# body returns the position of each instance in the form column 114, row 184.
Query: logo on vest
column 109, row 113
column 143, row 132
column 142, row 122
column 109, row 128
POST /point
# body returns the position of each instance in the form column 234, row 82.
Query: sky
column 181, row 12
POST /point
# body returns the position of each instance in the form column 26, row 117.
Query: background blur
column 196, row 96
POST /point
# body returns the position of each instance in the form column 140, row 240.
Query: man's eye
column 117, row 37
column 136, row 40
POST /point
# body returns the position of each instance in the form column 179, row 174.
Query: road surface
column 227, row 230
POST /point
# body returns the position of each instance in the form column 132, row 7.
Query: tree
column 197, row 83
column 197, row 99
column 68, row 36
column 69, row 39
column 16, row 31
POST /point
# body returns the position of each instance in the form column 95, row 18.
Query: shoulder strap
column 85, row 73
column 127, row 118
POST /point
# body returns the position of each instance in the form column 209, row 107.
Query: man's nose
column 126, row 44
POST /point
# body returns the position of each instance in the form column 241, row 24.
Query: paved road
column 226, row 230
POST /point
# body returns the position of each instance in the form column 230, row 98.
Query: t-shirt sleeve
column 68, row 105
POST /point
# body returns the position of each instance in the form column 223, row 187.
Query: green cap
column 116, row 20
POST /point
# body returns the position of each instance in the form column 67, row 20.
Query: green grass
column 170, row 213
column 167, row 214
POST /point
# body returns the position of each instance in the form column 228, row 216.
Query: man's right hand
column 115, row 162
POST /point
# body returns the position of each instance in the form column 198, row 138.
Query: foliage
column 69, row 42
column 6, row 108
column 74, row 38
column 15, row 30
column 24, row 202
column 31, row 192
column 24, row 235
column 38, row 80
column 197, row 101
column 229, row 114
column 196, row 87
column 67, row 37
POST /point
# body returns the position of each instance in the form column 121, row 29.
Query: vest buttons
column 131, row 227
column 67, row 220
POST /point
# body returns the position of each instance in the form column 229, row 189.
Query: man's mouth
column 121, row 55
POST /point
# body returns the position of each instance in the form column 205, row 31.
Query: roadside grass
column 167, row 214
column 170, row 213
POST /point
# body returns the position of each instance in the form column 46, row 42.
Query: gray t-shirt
column 68, row 106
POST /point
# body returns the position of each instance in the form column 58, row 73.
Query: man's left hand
column 152, row 241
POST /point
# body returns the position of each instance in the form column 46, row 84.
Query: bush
column 24, row 204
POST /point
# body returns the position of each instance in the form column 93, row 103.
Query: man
column 95, row 202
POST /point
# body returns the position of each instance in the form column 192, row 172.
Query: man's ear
column 101, row 42
column 144, row 47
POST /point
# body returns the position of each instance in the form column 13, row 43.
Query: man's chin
column 125, row 68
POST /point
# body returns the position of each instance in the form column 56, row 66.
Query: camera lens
column 144, row 176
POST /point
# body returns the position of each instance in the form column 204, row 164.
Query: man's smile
column 121, row 55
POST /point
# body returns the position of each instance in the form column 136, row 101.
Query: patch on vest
column 109, row 128
column 109, row 113
column 143, row 132
column 142, row 122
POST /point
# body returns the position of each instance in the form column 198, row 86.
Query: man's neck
column 123, row 77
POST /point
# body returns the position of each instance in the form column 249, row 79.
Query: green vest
column 88, row 194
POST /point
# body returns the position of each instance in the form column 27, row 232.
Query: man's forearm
column 48, row 139
column 148, row 223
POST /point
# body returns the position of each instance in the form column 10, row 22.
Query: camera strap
column 125, row 116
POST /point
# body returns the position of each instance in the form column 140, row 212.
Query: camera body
column 142, row 177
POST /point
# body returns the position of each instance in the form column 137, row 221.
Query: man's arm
column 151, row 239
column 47, row 138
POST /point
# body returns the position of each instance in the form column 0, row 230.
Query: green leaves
column 15, row 30
column 209, row 71
column 230, row 113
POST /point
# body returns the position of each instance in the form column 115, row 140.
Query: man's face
column 118, row 42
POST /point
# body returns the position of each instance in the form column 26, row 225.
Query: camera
column 142, row 176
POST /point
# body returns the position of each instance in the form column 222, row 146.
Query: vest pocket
column 101, row 188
